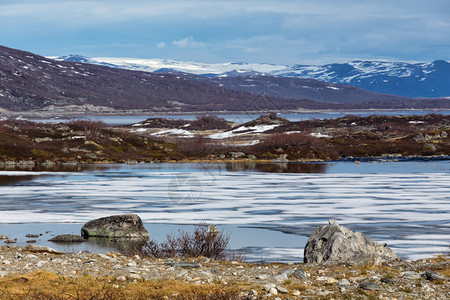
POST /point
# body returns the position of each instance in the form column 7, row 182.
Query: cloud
column 286, row 31
column 188, row 42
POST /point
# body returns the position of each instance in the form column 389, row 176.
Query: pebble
column 430, row 275
column 288, row 272
column 387, row 280
column 135, row 276
column 411, row 275
column 269, row 286
column 282, row 289
column 427, row 289
column 281, row 278
column 370, row 285
column 262, row 276
column 299, row 273
column 344, row 282
column 273, row 291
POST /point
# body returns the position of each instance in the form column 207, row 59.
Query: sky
column 256, row 31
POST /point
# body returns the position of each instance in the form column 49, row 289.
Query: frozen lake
column 269, row 209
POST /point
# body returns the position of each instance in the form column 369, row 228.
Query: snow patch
column 241, row 131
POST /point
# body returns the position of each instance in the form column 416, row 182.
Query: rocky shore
column 421, row 279
column 338, row 264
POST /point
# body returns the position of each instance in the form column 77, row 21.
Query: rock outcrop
column 67, row 238
column 334, row 244
column 119, row 226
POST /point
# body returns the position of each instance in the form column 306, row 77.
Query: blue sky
column 283, row 31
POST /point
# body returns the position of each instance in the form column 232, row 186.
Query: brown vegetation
column 49, row 286
column 207, row 122
column 200, row 242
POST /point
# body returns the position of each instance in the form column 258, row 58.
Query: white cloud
column 188, row 42
column 161, row 45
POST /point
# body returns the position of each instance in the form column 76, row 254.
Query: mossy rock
column 119, row 226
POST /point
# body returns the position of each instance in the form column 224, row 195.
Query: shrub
column 205, row 122
column 200, row 242
column 92, row 129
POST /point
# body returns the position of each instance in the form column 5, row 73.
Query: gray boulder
column 334, row 244
column 119, row 226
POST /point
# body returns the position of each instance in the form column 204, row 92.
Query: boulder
column 119, row 226
column 67, row 238
column 334, row 244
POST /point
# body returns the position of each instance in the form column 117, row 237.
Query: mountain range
column 427, row 80
column 30, row 82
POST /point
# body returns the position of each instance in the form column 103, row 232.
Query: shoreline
column 33, row 272
column 139, row 112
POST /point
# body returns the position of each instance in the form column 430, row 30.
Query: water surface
column 269, row 209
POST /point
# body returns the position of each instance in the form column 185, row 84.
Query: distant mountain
column 32, row 82
column 429, row 80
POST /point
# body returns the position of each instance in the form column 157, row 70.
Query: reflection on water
column 252, row 166
column 5, row 180
column 122, row 245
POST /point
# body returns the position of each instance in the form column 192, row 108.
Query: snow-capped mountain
column 400, row 78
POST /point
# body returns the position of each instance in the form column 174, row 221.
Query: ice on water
column 408, row 211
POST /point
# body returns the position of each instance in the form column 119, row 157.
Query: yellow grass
column 46, row 285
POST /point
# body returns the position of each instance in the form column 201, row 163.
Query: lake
column 268, row 209
column 244, row 117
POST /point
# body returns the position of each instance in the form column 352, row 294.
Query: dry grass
column 46, row 286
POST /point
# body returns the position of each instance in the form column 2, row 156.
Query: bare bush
column 92, row 129
column 200, row 242
column 208, row 122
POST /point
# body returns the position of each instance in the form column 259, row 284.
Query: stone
column 427, row 289
column 370, row 285
column 281, row 159
column 251, row 157
column 135, row 276
column 282, row 289
column 411, row 275
column 118, row 226
column 296, row 293
column 344, row 282
column 387, row 280
column 236, row 154
column 334, row 244
column 44, row 139
column 281, row 278
column 37, row 248
column 67, row 238
column 300, row 274
column 288, row 272
column 430, row 275
column 186, row 265
column 269, row 286
column 31, row 235
column 273, row 291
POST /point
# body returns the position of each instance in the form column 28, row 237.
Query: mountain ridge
column 29, row 82
column 426, row 80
